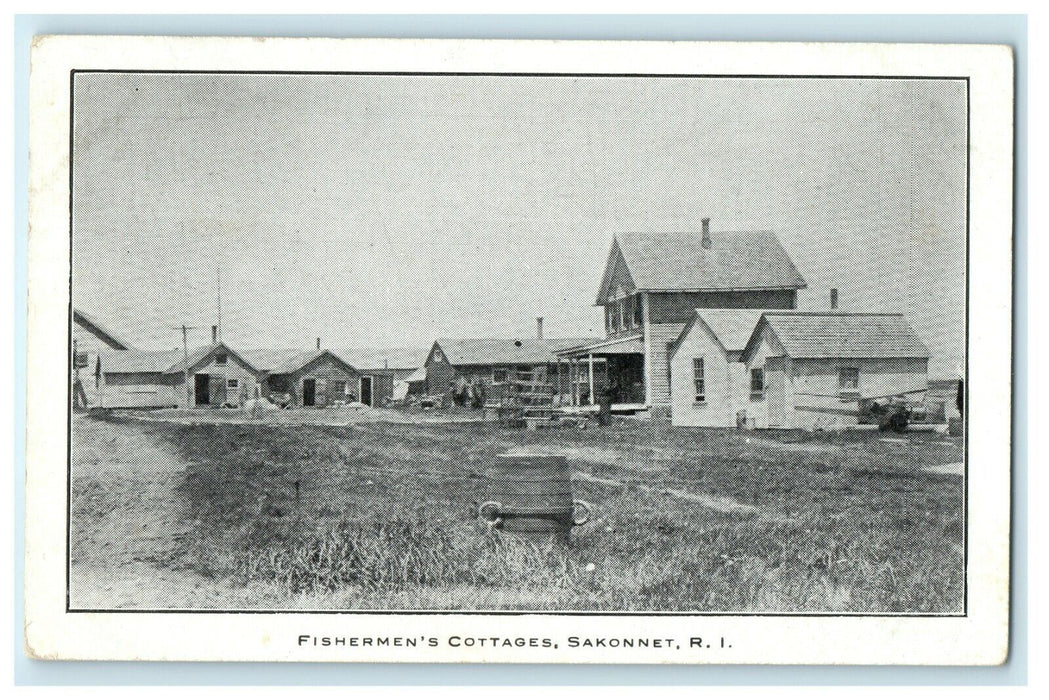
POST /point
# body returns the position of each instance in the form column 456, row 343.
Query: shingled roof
column 677, row 261
column 138, row 361
column 814, row 335
column 107, row 336
column 382, row 358
column 505, row 351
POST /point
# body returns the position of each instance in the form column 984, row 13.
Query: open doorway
column 309, row 392
column 202, row 389
column 366, row 391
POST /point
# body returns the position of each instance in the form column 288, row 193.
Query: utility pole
column 185, row 362
column 185, row 365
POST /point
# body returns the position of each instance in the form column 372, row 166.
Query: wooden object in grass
column 531, row 496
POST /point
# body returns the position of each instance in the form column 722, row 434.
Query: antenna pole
column 218, row 287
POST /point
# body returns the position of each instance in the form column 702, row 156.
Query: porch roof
column 620, row 346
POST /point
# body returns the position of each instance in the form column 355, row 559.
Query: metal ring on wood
column 493, row 509
column 576, row 505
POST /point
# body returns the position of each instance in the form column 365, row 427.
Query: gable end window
column 221, row 358
column 757, row 383
column 699, row 380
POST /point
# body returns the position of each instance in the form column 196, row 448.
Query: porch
column 591, row 369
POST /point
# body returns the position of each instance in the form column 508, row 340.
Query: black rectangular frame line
column 573, row 613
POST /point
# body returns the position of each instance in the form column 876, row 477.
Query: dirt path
column 721, row 504
column 124, row 516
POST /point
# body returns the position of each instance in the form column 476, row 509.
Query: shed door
column 309, row 392
column 201, row 389
column 775, row 390
column 366, row 391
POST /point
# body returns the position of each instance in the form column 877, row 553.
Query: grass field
column 206, row 516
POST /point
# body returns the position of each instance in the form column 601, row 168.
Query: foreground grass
column 381, row 516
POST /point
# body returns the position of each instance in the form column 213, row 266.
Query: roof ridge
column 800, row 312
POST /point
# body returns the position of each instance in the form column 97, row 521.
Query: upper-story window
column 221, row 358
column 639, row 311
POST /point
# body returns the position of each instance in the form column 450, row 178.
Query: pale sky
column 388, row 211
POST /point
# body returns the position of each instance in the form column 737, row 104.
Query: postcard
column 519, row 351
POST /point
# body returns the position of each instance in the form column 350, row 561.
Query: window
column 639, row 311
column 221, row 358
column 834, row 298
column 499, row 376
column 338, row 387
column 80, row 359
column 232, row 384
column 849, row 380
column 757, row 383
column 700, row 381
column 624, row 311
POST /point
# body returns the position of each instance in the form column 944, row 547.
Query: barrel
column 531, row 496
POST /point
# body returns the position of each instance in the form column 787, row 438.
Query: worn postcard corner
column 457, row 351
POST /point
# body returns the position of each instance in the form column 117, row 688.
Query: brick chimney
column 539, row 327
column 706, row 232
column 214, row 334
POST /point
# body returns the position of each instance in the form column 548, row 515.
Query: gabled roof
column 198, row 355
column 382, row 358
column 505, row 351
column 138, row 361
column 91, row 324
column 677, row 261
column 300, row 360
column 269, row 359
column 815, row 335
column 732, row 328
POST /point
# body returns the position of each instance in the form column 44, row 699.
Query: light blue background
column 1001, row 29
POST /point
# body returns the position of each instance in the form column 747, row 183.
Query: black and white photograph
column 539, row 343
column 495, row 342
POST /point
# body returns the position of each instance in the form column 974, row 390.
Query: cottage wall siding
column 756, row 405
column 662, row 336
column 135, row 390
column 815, row 388
column 246, row 377
column 680, row 307
column 325, row 371
column 717, row 409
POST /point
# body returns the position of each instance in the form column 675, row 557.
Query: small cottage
column 824, row 370
column 218, row 376
column 381, row 369
column 708, row 380
column 313, row 378
column 492, row 362
column 138, row 379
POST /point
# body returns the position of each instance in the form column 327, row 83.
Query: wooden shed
column 816, row 370
column 314, row 378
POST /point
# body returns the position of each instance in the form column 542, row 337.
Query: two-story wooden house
column 653, row 284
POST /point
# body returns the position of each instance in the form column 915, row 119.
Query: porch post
column 647, row 345
column 573, row 385
column 590, row 362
